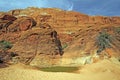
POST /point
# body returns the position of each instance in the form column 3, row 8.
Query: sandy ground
column 103, row 70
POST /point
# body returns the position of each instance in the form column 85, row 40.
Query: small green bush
column 5, row 45
column 103, row 41
column 64, row 46
column 117, row 30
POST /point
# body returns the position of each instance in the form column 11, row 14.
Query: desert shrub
column 117, row 30
column 103, row 41
column 5, row 45
column 64, row 46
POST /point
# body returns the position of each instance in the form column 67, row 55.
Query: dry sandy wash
column 103, row 70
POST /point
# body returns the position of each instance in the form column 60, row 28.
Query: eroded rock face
column 86, row 44
column 36, row 43
column 4, row 24
column 15, row 12
column 34, row 33
column 8, row 17
column 26, row 24
column 5, row 21
column 22, row 24
column 31, row 43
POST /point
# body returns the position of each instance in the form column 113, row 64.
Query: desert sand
column 102, row 70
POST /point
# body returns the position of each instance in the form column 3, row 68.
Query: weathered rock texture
column 65, row 19
column 66, row 22
column 39, row 35
column 36, row 43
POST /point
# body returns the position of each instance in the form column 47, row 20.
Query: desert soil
column 102, row 70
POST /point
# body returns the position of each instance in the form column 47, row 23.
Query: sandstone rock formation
column 22, row 24
column 39, row 35
column 5, row 21
column 8, row 17
column 37, row 43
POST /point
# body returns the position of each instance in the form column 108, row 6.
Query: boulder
column 26, row 24
column 22, row 24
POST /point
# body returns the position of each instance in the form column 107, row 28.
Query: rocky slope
column 66, row 22
column 40, row 36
